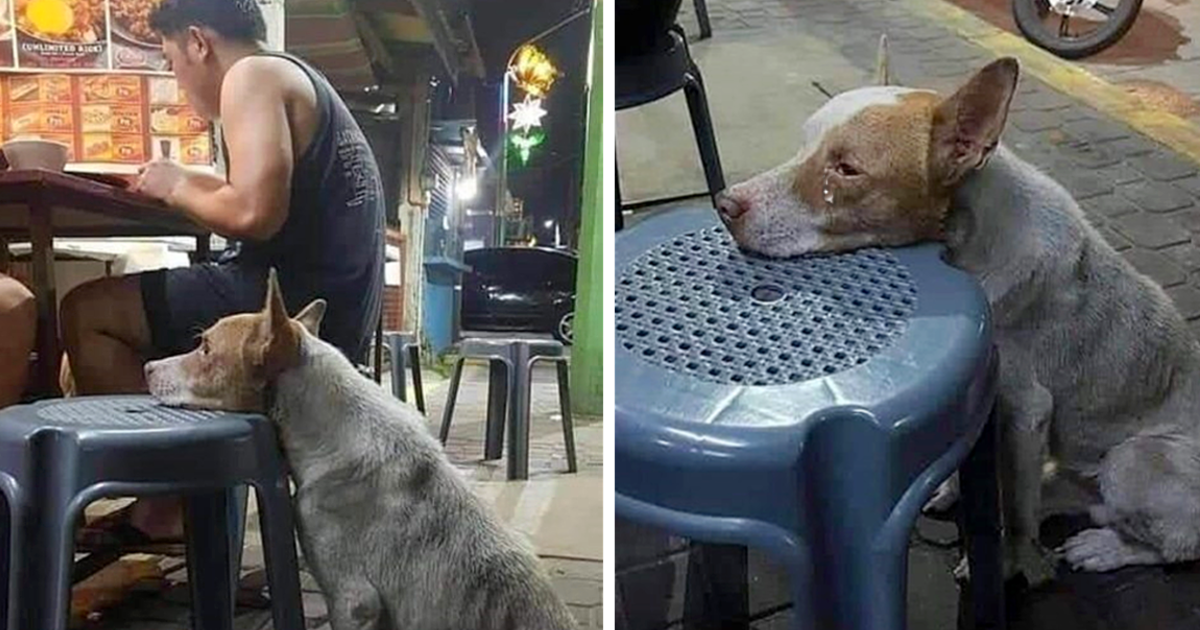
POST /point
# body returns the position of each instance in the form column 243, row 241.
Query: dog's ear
column 883, row 75
column 967, row 125
column 280, row 341
column 310, row 316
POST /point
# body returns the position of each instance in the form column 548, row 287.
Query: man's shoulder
column 259, row 72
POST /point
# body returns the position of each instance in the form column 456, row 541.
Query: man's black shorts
column 181, row 303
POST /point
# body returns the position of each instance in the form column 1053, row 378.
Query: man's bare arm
column 253, row 204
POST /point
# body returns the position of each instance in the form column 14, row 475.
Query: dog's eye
column 845, row 169
column 204, row 346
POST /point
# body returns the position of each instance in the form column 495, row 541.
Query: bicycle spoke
column 1062, row 26
column 1106, row 10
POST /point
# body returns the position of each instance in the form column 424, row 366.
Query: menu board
column 114, row 119
column 80, row 35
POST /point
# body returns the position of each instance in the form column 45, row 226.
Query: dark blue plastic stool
column 58, row 456
column 510, row 379
column 807, row 407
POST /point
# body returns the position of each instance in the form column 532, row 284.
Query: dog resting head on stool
column 1098, row 372
column 393, row 533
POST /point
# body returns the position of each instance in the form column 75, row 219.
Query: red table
column 40, row 205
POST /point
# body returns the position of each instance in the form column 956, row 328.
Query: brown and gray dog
column 1098, row 373
column 392, row 532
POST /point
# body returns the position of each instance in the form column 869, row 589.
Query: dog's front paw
column 1103, row 549
column 944, row 497
column 1031, row 560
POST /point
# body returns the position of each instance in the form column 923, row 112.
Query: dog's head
column 877, row 166
column 237, row 357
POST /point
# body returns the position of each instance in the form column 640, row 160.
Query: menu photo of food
column 135, row 45
column 61, row 33
column 110, row 89
column 39, row 88
column 115, row 148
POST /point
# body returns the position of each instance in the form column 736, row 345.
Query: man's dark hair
column 238, row 20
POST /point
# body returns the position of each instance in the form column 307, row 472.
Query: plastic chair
column 808, row 407
column 667, row 67
column 58, row 456
column 510, row 372
column 404, row 351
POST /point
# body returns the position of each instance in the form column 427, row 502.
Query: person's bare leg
column 107, row 338
column 18, row 318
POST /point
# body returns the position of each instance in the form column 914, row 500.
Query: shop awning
column 384, row 44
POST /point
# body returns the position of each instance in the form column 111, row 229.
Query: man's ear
column 967, row 125
column 310, row 316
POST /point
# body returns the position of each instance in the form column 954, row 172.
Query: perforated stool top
column 708, row 334
column 114, row 417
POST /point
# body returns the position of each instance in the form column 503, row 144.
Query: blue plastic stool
column 807, row 407
column 58, row 456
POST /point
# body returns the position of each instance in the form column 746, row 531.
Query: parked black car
column 530, row 289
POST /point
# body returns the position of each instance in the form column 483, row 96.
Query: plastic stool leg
column 499, row 377
column 414, row 364
column 49, row 527
column 448, row 412
column 10, row 544
column 208, row 522
column 520, row 383
column 396, row 355
column 564, row 404
column 279, row 549
column 981, row 525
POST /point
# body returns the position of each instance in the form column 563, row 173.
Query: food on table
column 74, row 21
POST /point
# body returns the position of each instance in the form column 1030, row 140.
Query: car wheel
column 564, row 328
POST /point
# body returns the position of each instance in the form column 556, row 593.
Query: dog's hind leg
column 1151, row 512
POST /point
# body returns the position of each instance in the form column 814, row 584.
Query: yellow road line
column 1070, row 79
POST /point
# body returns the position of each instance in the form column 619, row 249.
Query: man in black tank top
column 302, row 194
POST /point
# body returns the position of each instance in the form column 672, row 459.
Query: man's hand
column 158, row 179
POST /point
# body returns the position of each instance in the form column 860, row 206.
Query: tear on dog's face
column 877, row 167
column 238, row 357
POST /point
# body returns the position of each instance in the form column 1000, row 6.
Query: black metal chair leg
column 448, row 412
column 613, row 183
column 706, row 139
column 702, row 17
column 564, row 403
column 620, row 206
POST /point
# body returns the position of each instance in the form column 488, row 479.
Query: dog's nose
column 730, row 208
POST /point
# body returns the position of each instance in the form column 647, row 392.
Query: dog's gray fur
column 394, row 535
column 1097, row 368
column 1098, row 371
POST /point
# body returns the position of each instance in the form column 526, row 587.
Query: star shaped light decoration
column 527, row 114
